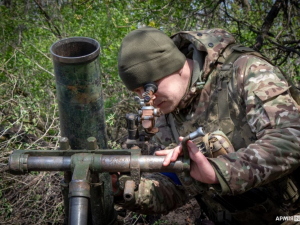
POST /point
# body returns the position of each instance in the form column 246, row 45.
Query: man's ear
column 180, row 71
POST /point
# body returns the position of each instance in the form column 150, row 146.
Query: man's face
column 171, row 89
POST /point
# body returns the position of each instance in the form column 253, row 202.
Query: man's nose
column 139, row 94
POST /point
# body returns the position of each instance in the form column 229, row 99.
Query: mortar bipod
column 88, row 164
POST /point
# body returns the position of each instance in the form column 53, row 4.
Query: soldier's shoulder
column 257, row 69
column 252, row 60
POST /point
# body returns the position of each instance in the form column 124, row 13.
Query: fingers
column 172, row 156
column 194, row 153
column 163, row 152
column 192, row 147
column 176, row 152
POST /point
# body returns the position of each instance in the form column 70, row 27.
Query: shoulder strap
column 170, row 120
column 228, row 57
column 233, row 51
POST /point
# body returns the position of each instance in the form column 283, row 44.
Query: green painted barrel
column 81, row 112
column 79, row 91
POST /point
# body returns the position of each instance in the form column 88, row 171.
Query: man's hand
column 114, row 179
column 201, row 168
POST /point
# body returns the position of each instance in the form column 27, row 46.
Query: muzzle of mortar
column 83, row 155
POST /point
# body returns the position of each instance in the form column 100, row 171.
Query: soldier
column 244, row 168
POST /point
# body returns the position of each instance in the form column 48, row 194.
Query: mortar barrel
column 80, row 100
column 79, row 91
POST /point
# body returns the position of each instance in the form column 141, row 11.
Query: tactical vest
column 226, row 112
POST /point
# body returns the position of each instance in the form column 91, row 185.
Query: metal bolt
column 64, row 143
column 92, row 143
column 137, row 99
column 210, row 45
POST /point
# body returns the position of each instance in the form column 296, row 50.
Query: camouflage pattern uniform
column 254, row 108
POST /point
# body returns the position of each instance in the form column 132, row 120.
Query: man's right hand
column 201, row 169
column 115, row 187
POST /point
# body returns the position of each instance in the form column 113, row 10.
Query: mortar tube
column 79, row 96
column 79, row 91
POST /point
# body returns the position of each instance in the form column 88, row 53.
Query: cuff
column 223, row 176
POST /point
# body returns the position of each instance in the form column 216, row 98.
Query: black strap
column 170, row 120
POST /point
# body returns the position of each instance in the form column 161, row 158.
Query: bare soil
column 189, row 214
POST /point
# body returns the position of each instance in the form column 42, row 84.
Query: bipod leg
column 79, row 195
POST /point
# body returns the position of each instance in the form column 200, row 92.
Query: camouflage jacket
column 262, row 122
column 266, row 123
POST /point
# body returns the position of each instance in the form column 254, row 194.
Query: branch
column 246, row 5
column 291, row 42
column 211, row 11
column 284, row 48
column 48, row 20
column 32, row 60
column 284, row 59
column 267, row 24
column 295, row 3
column 251, row 27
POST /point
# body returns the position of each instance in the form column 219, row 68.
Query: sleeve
column 157, row 194
column 273, row 116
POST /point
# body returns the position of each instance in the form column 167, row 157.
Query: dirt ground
column 188, row 214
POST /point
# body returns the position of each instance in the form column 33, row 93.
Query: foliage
column 28, row 108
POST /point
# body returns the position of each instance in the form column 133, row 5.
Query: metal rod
column 65, row 191
column 155, row 164
column 129, row 190
column 107, row 163
column 79, row 194
column 49, row 163
column 64, row 145
column 78, row 210
column 96, row 200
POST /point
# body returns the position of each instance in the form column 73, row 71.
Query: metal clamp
column 135, row 166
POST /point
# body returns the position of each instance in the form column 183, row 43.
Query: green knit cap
column 147, row 55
